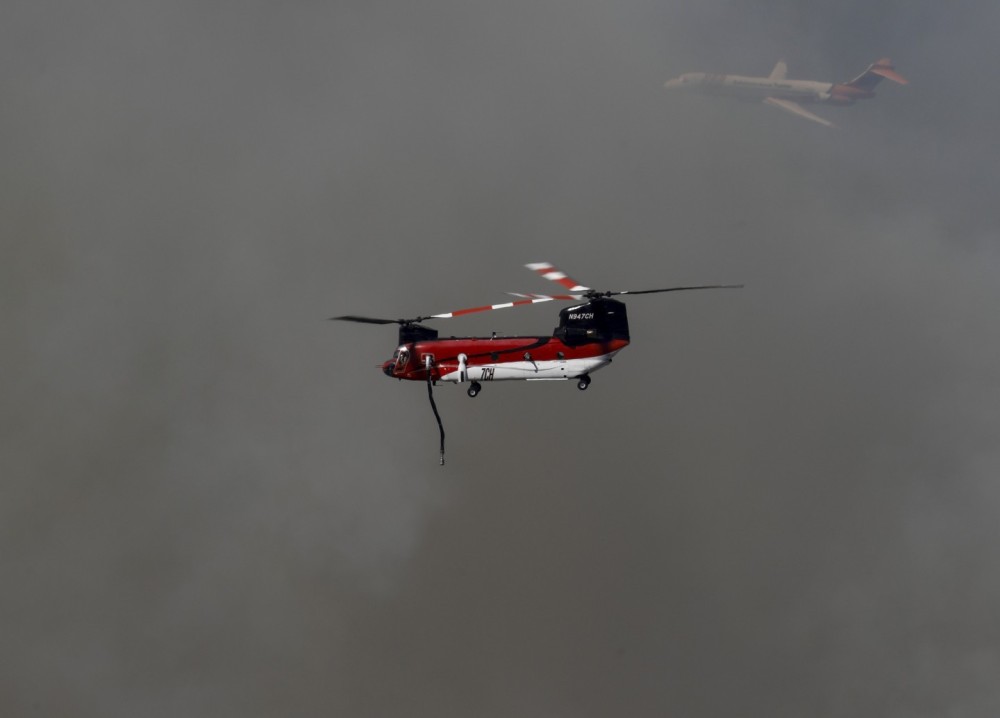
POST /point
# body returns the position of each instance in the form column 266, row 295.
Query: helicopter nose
column 387, row 368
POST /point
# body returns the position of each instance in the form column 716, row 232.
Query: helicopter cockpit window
column 402, row 356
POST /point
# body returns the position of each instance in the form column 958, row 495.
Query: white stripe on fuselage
column 761, row 87
column 530, row 371
column 765, row 87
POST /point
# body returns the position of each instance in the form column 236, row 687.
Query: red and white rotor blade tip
column 528, row 299
column 552, row 274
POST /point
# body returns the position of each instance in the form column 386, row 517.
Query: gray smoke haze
column 778, row 502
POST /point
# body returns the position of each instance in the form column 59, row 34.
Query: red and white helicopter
column 589, row 335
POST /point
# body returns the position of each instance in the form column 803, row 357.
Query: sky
column 781, row 501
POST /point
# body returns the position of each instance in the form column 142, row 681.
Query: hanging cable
column 430, row 395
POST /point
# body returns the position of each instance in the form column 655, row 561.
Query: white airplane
column 786, row 94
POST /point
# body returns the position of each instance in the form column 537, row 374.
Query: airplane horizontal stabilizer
column 874, row 74
column 796, row 109
column 885, row 68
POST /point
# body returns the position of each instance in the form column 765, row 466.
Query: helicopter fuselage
column 532, row 358
column 587, row 339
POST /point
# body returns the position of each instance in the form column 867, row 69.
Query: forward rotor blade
column 367, row 320
column 525, row 300
column 677, row 289
column 554, row 275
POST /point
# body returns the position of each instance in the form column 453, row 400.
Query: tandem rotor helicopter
column 588, row 337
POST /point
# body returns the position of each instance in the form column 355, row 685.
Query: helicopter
column 589, row 335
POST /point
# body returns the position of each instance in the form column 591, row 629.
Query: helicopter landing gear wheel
column 583, row 383
column 474, row 389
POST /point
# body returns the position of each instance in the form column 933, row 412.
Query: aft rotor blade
column 527, row 299
column 554, row 275
column 549, row 297
column 676, row 289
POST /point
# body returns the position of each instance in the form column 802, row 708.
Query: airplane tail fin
column 873, row 75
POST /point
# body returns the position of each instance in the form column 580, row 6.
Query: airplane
column 778, row 91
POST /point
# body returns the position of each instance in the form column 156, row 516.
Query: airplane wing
column 779, row 71
column 797, row 109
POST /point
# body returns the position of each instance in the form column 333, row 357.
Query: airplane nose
column 672, row 84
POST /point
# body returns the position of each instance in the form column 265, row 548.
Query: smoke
column 776, row 501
